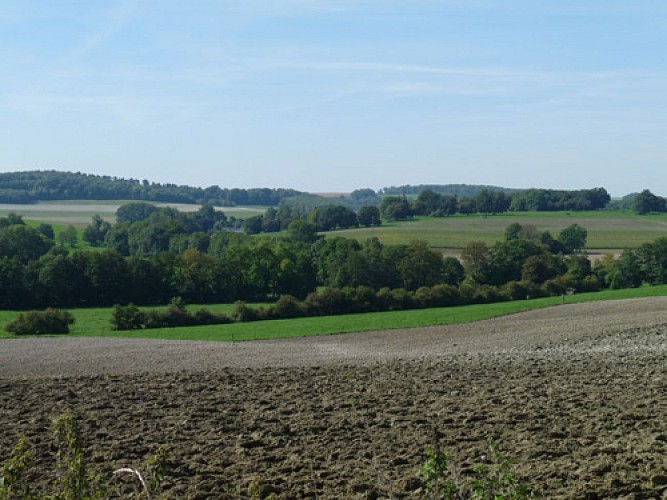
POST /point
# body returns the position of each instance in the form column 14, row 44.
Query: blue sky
column 335, row 95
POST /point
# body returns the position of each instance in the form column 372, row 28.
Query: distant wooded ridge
column 45, row 185
column 458, row 190
column 36, row 185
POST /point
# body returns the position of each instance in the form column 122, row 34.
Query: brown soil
column 577, row 396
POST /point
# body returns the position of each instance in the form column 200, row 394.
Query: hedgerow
column 41, row 322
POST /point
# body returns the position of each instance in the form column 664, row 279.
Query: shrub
column 365, row 299
column 591, row 284
column 38, row 323
column 287, row 306
column 206, row 317
column 485, row 294
column 516, row 290
column 243, row 312
column 328, row 302
column 554, row 287
column 466, row 293
column 401, row 299
column 131, row 318
column 127, row 318
column 176, row 316
column 444, row 296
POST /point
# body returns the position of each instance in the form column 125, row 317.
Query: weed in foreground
column 12, row 483
column 76, row 481
column 492, row 481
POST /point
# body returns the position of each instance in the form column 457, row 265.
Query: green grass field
column 606, row 230
column 95, row 322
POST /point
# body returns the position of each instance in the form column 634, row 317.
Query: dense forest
column 153, row 255
column 458, row 190
column 32, row 186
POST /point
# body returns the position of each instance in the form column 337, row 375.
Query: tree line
column 151, row 258
column 32, row 186
column 436, row 200
column 394, row 208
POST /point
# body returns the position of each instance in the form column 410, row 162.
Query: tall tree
column 573, row 238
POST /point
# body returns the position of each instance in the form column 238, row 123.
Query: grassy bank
column 95, row 322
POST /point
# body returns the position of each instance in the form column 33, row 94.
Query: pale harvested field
column 79, row 212
column 578, row 395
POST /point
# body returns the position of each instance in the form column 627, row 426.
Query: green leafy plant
column 494, row 480
column 434, row 471
column 76, row 482
column 497, row 480
column 12, row 484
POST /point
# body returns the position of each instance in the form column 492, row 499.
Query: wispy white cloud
column 113, row 21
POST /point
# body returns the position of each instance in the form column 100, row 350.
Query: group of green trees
column 143, row 229
column 324, row 218
column 392, row 208
column 153, row 255
column 31, row 186
column 646, row 202
column 489, row 202
column 482, row 198
column 436, row 200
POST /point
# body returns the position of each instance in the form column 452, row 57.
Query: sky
column 331, row 96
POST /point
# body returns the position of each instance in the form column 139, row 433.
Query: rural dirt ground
column 577, row 395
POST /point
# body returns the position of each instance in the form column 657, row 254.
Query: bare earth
column 576, row 394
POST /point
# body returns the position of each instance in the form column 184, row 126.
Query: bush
column 243, row 312
column 127, row 318
column 364, row 299
column 401, row 299
column 328, row 302
column 444, row 296
column 486, row 294
column 39, row 323
column 173, row 317
column 131, row 318
column 287, row 306
column 206, row 317
column 554, row 287
column 516, row 290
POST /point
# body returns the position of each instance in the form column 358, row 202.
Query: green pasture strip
column 57, row 228
column 243, row 212
column 606, row 230
column 95, row 322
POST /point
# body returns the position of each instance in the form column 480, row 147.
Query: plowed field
column 577, row 396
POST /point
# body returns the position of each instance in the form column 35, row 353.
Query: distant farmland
column 79, row 212
column 606, row 230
